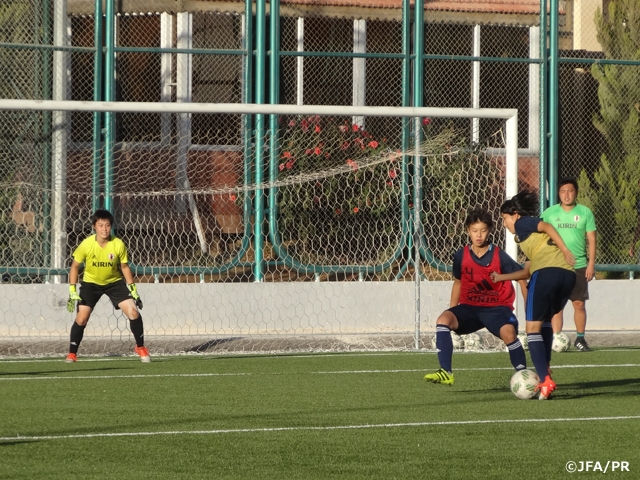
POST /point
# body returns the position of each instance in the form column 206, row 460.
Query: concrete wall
column 584, row 30
column 292, row 308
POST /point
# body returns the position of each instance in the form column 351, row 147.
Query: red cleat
column 144, row 354
column 546, row 388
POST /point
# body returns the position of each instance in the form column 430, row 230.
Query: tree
column 613, row 191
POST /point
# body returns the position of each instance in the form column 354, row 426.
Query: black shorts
column 90, row 293
column 471, row 319
column 581, row 289
column 548, row 293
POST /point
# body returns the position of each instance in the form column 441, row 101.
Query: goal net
column 250, row 228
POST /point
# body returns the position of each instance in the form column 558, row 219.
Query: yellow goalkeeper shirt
column 102, row 264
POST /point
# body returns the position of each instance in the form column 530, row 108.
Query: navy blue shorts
column 548, row 293
column 90, row 293
column 471, row 319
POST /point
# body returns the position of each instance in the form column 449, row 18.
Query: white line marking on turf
column 327, row 428
column 340, row 372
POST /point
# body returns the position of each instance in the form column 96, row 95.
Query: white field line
column 326, row 428
column 339, row 372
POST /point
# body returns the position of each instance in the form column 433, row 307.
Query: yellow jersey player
column 106, row 272
column 549, row 267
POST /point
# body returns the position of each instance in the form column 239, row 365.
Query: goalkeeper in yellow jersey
column 106, row 272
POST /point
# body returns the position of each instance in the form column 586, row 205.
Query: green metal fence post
column 406, row 69
column 97, row 96
column 406, row 126
column 274, row 99
column 554, row 104
column 109, row 94
column 247, row 125
column 544, row 56
column 258, row 241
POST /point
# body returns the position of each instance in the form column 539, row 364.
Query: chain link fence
column 600, row 121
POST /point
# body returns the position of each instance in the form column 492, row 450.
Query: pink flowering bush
column 351, row 200
column 340, row 200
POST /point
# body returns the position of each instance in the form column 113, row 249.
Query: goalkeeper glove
column 73, row 298
column 133, row 291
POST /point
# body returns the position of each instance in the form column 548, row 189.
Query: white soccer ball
column 524, row 340
column 472, row 341
column 523, row 384
column 561, row 342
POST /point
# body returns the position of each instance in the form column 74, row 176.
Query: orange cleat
column 71, row 358
column 546, row 388
column 144, row 354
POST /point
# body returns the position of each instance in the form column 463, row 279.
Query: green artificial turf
column 315, row 416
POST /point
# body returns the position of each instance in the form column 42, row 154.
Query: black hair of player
column 478, row 215
column 101, row 215
column 568, row 181
column 524, row 203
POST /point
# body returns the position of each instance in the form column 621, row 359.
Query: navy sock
column 77, row 332
column 517, row 356
column 138, row 330
column 444, row 345
column 538, row 354
column 547, row 336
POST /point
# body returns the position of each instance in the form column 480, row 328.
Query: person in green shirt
column 577, row 227
column 106, row 272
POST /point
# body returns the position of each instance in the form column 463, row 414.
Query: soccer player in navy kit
column 552, row 278
column 476, row 300
column 105, row 273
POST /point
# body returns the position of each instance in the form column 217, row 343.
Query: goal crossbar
column 256, row 109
